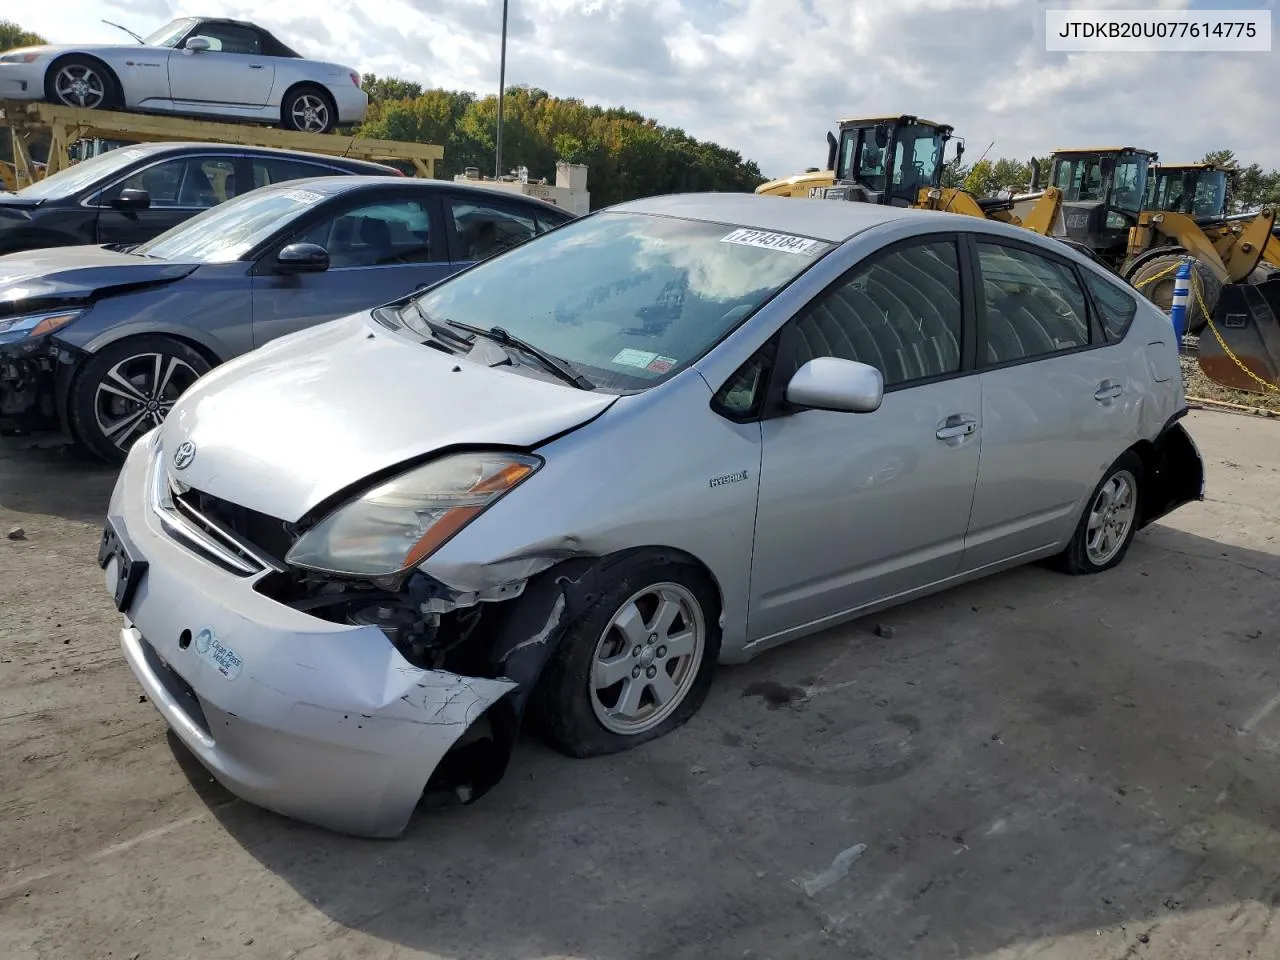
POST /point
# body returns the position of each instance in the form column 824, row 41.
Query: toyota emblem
column 183, row 456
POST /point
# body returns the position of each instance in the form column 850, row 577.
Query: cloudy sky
column 770, row 77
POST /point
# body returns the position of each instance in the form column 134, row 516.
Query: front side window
column 1129, row 182
column 1034, row 306
column 226, row 38
column 628, row 299
column 185, row 182
column 899, row 312
column 375, row 235
column 230, row 230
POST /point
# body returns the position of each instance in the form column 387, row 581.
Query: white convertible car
column 194, row 66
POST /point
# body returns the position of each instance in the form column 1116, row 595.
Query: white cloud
column 770, row 77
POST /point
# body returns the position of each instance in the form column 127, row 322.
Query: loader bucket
column 1247, row 319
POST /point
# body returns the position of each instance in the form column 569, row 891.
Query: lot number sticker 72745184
column 773, row 241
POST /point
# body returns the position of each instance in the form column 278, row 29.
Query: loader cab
column 1104, row 190
column 1196, row 189
column 886, row 160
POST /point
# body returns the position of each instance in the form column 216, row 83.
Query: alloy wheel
column 1110, row 517
column 647, row 658
column 78, row 85
column 310, row 113
column 138, row 393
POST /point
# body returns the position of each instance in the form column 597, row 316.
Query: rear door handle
column 255, row 66
column 1108, row 390
column 956, row 427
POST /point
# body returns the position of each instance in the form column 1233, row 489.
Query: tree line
column 627, row 154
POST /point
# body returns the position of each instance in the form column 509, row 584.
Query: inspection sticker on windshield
column 773, row 241
column 634, row 358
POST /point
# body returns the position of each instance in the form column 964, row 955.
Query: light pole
column 502, row 90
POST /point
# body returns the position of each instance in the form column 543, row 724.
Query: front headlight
column 20, row 58
column 398, row 524
column 13, row 329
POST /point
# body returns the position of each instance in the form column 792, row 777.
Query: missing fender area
column 501, row 631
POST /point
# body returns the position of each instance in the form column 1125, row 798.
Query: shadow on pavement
column 61, row 481
column 1028, row 757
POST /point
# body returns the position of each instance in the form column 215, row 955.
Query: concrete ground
column 1032, row 766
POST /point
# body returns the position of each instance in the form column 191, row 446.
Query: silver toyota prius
column 567, row 482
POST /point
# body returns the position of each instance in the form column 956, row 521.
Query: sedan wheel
column 129, row 388
column 1111, row 517
column 309, row 112
column 1105, row 531
column 647, row 658
column 637, row 662
column 78, row 83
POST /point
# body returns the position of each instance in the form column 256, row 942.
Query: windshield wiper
column 552, row 363
column 439, row 330
column 125, row 29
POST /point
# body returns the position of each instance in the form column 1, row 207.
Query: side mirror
column 196, row 45
column 959, row 151
column 882, row 135
column 829, row 383
column 131, row 199
column 302, row 258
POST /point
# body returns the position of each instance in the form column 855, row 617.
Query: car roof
column 360, row 181
column 832, row 220
column 177, row 146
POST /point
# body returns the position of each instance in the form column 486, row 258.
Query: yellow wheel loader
column 1144, row 220
column 898, row 161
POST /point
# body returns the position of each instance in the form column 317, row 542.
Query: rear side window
column 1116, row 309
column 268, row 170
column 1035, row 306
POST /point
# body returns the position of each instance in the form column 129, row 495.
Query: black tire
column 305, row 101
column 1077, row 559
column 564, row 701
column 101, row 94
column 1160, row 291
column 99, row 413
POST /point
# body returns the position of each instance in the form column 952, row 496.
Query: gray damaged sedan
column 572, row 479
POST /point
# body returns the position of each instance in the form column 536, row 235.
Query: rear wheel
column 309, row 110
column 1110, row 520
column 81, row 82
column 1155, row 278
column 128, row 388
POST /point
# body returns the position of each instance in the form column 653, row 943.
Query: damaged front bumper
column 32, row 373
column 317, row 720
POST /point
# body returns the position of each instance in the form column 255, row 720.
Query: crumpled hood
column 55, row 276
column 288, row 425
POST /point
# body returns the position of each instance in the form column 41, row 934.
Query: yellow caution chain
column 1196, row 287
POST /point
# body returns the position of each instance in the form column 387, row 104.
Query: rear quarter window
column 1116, row 307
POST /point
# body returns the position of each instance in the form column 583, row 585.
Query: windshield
column 231, row 229
column 626, row 299
column 78, row 176
column 170, row 33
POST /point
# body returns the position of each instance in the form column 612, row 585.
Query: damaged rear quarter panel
column 643, row 474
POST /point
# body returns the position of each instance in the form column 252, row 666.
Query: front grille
column 213, row 528
column 266, row 535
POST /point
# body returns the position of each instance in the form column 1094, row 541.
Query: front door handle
column 956, row 427
column 255, row 66
column 1107, row 391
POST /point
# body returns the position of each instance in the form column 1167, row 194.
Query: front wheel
column 80, row 82
column 637, row 663
column 309, row 110
column 1110, row 520
column 128, row 388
